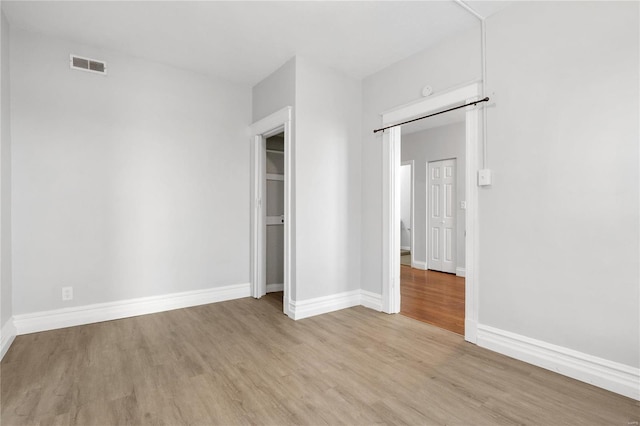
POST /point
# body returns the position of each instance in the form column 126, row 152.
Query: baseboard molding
column 81, row 315
column 371, row 300
column 419, row 265
column 405, row 248
column 609, row 375
column 274, row 287
column 7, row 335
column 460, row 272
column 322, row 305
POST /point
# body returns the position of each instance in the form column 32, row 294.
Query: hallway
column 433, row 297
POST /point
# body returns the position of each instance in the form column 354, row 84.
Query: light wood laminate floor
column 433, row 297
column 244, row 362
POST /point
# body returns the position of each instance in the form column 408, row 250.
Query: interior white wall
column 127, row 185
column 453, row 62
column 559, row 242
column 6, row 308
column 559, row 256
column 328, row 181
column 275, row 92
column 405, row 206
column 438, row 143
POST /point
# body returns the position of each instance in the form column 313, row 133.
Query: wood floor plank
column 244, row 362
column 433, row 297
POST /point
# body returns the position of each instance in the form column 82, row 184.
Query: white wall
column 559, row 226
column 450, row 63
column 559, row 242
column 127, row 185
column 6, row 310
column 327, row 185
column 405, row 206
column 275, row 92
column 439, row 143
column 328, row 181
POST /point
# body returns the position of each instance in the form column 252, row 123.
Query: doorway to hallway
column 433, row 297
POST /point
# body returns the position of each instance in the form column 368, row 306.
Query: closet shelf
column 273, row 176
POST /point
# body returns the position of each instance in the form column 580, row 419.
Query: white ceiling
column 246, row 41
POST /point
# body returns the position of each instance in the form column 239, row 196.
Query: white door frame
column 412, row 224
column 278, row 122
column 391, row 198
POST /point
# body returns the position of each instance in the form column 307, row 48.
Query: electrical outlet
column 67, row 293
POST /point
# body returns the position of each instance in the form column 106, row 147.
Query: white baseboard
column 274, row 287
column 405, row 247
column 7, row 335
column 80, row 315
column 371, row 300
column 613, row 376
column 419, row 265
column 460, row 272
column 322, row 305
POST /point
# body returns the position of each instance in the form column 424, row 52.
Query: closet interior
column 275, row 213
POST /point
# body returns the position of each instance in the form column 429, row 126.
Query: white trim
column 613, row 376
column 371, row 300
column 335, row 302
column 460, row 272
column 271, row 288
column 417, row 264
column 408, row 248
column 322, row 305
column 432, row 103
column 471, row 218
column 98, row 312
column 390, row 219
column 280, row 121
column 412, row 247
column 271, row 122
column 7, row 335
column 390, row 204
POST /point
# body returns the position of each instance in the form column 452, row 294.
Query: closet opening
column 275, row 218
column 272, row 266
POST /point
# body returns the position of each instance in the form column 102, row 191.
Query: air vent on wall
column 86, row 64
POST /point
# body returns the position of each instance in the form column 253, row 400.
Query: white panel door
column 441, row 226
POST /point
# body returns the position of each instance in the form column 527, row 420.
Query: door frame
column 412, row 224
column 391, row 141
column 428, row 212
column 278, row 122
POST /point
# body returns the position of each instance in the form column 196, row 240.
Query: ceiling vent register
column 86, row 64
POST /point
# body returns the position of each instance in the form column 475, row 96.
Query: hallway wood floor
column 432, row 297
column 244, row 362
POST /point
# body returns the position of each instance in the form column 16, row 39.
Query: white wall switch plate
column 484, row 177
column 463, row 205
column 67, row 293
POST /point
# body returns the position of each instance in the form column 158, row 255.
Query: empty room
column 264, row 212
